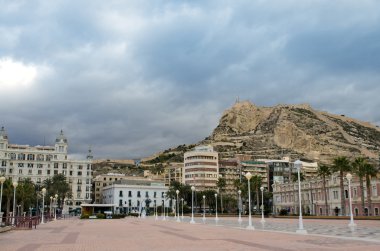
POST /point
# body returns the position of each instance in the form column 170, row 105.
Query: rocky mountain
column 298, row 131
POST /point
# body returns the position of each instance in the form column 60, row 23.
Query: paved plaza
column 225, row 234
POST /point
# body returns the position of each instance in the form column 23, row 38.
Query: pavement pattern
column 225, row 234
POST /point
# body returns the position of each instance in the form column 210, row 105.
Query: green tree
column 358, row 167
column 256, row 183
column 341, row 165
column 25, row 194
column 8, row 194
column 57, row 185
column 323, row 172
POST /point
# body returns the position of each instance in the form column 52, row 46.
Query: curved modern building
column 201, row 168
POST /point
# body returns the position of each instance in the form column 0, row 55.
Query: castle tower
column 89, row 155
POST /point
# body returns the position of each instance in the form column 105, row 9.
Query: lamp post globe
column 300, row 230
column 192, row 205
column 248, row 175
column 349, row 178
column 177, row 206
column 239, row 205
column 262, row 204
column 43, row 205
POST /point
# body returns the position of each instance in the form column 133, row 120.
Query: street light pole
column 216, row 207
column 182, row 207
column 2, row 180
column 204, row 208
column 177, row 206
column 43, row 205
column 248, row 175
column 192, row 205
column 262, row 204
column 56, row 205
column 300, row 230
column 15, row 184
column 239, row 206
column 349, row 177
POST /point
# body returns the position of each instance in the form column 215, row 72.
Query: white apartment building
column 134, row 195
column 42, row 162
column 201, row 168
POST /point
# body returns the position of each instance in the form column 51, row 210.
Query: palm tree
column 358, row 166
column 256, row 184
column 8, row 194
column 341, row 165
column 370, row 171
column 25, row 193
column 323, row 172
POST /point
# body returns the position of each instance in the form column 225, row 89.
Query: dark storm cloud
column 132, row 78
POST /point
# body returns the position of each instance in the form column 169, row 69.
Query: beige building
column 173, row 172
column 39, row 163
column 230, row 170
column 200, row 168
column 259, row 168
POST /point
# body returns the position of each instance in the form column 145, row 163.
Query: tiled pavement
column 151, row 234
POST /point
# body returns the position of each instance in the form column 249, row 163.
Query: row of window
column 56, row 165
column 48, row 172
column 130, row 193
column 200, row 157
column 202, row 175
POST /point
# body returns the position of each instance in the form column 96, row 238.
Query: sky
column 131, row 78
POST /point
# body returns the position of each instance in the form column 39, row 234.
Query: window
column 71, row 173
column 30, row 165
column 154, row 194
column 64, row 172
column 376, row 211
column 30, row 171
column 120, row 193
column 21, row 156
column 129, row 203
column 39, row 172
column 79, row 188
column 10, row 170
column 79, row 173
column 64, row 165
column 20, row 164
column 162, row 194
column 120, row 203
column 129, row 193
column 146, row 194
column 138, row 203
column 48, row 157
column 346, row 194
column 20, row 171
column 48, row 172
column 138, row 194
column 374, row 191
column 3, row 163
column 13, row 156
column 30, row 156
column 39, row 165
column 55, row 172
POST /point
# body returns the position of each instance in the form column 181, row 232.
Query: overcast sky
column 131, row 78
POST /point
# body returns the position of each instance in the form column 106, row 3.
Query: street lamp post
column 239, row 205
column 163, row 202
column 248, row 175
column 204, row 208
column 300, row 230
column 192, row 205
column 262, row 204
column 51, row 205
column 15, row 184
column 56, row 205
column 2, row 180
column 177, row 206
column 43, row 205
column 216, row 207
column 349, row 177
column 182, row 207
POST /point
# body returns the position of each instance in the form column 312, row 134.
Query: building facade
column 201, row 168
column 39, row 163
column 135, row 195
column 230, row 170
column 173, row 172
column 285, row 197
column 104, row 180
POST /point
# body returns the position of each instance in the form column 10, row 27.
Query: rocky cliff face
column 292, row 130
